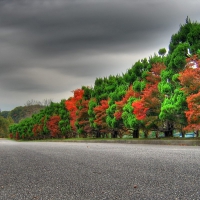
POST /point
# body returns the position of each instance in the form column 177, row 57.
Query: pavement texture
column 90, row 171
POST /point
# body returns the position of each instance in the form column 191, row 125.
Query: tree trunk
column 183, row 134
column 157, row 134
column 115, row 133
column 168, row 133
column 197, row 133
column 98, row 134
column 136, row 133
column 145, row 134
column 169, row 129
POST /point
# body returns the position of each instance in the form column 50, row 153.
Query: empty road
column 89, row 171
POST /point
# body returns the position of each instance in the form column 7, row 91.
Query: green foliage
column 175, row 77
column 198, row 53
column 139, row 86
column 188, row 33
column 4, row 126
column 155, row 59
column 174, row 107
column 128, row 117
column 4, row 114
column 92, row 105
column 162, row 52
column 178, row 57
column 153, row 85
column 110, row 119
column 22, row 112
column 87, row 92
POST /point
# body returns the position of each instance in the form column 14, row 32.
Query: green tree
column 162, row 52
column 129, row 119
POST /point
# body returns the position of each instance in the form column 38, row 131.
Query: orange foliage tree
column 72, row 105
column 148, row 107
column 38, row 128
column 189, row 79
column 84, row 127
column 53, row 125
column 100, row 116
column 193, row 113
column 120, row 104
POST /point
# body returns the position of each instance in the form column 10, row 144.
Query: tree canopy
column 160, row 93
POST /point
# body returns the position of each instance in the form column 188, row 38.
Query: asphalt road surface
column 89, row 171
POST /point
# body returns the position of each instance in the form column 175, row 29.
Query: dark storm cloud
column 71, row 27
column 53, row 46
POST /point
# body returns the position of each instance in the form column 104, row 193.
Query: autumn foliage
column 139, row 109
column 189, row 78
column 83, row 118
column 100, row 114
column 72, row 106
column 193, row 113
column 52, row 125
column 120, row 104
column 150, row 98
column 38, row 128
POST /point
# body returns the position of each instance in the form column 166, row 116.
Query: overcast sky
column 49, row 48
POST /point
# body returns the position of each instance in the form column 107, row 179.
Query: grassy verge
column 110, row 139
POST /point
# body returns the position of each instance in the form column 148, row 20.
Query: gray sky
column 49, row 48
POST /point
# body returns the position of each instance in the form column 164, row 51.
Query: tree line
column 160, row 94
column 19, row 113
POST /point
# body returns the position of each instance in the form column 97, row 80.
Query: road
column 89, row 171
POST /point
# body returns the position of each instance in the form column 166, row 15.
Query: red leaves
column 52, row 125
column 83, row 117
column 154, row 76
column 100, row 113
column 190, row 77
column 120, row 104
column 130, row 93
column 150, row 97
column 149, row 101
column 193, row 113
column 38, row 128
column 118, row 115
column 78, row 94
column 139, row 109
column 72, row 104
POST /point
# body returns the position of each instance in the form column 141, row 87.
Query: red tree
column 52, row 125
column 153, row 77
column 100, row 115
column 193, row 113
column 83, row 118
column 72, row 105
column 190, row 77
column 139, row 109
column 148, row 107
column 189, row 80
column 38, row 128
column 120, row 104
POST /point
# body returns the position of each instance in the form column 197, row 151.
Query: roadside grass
column 105, row 139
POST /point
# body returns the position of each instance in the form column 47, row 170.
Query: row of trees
column 19, row 113
column 158, row 94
